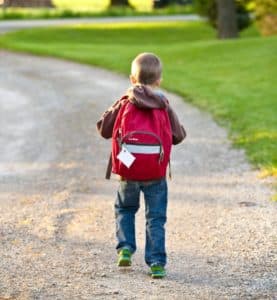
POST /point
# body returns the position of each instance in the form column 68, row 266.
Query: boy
column 140, row 100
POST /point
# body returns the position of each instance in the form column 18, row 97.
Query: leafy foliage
column 78, row 10
column 266, row 13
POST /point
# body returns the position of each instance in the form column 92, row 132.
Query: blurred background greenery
column 80, row 8
column 264, row 11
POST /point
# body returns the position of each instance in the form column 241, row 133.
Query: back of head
column 146, row 68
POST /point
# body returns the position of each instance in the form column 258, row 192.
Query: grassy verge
column 52, row 13
column 234, row 80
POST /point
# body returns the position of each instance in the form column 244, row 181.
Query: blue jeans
column 126, row 206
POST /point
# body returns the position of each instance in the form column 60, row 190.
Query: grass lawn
column 233, row 80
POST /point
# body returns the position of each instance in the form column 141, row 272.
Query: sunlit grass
column 175, row 25
column 233, row 80
column 270, row 171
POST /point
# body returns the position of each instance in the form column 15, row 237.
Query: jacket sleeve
column 178, row 131
column 106, row 123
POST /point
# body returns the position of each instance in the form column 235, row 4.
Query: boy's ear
column 158, row 82
column 133, row 79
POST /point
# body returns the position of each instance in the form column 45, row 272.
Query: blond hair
column 146, row 68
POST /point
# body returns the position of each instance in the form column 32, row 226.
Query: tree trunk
column 119, row 2
column 226, row 19
column 28, row 3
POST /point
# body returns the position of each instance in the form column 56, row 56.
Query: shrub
column 266, row 15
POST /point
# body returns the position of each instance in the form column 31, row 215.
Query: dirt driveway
column 56, row 209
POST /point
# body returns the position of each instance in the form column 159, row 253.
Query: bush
column 161, row 3
column 164, row 3
column 266, row 14
column 208, row 8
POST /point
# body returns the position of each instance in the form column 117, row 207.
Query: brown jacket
column 144, row 98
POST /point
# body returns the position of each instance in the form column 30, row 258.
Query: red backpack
column 146, row 136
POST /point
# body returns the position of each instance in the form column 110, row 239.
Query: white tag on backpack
column 126, row 157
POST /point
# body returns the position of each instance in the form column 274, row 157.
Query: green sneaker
column 157, row 272
column 124, row 258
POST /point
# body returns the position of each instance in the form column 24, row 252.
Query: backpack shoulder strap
column 109, row 168
column 124, row 100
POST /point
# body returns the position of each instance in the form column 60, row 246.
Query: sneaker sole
column 158, row 276
column 124, row 263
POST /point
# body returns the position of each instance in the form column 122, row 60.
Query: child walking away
column 143, row 128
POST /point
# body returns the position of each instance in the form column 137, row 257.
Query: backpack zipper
column 121, row 139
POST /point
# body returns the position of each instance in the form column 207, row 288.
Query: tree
column 221, row 12
column 226, row 19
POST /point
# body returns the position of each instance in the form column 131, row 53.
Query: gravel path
column 56, row 210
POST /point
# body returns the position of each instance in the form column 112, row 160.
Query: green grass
column 233, row 80
column 79, row 12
